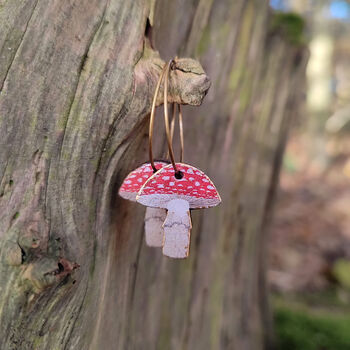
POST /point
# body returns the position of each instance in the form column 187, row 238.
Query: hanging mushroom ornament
column 178, row 192
column 131, row 185
column 177, row 188
column 154, row 217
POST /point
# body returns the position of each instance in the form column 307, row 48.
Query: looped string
column 169, row 132
column 166, row 116
column 151, row 121
column 172, row 128
column 181, row 130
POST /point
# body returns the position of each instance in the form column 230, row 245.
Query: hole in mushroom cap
column 179, row 175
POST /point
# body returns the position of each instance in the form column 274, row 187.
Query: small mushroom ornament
column 178, row 192
column 154, row 217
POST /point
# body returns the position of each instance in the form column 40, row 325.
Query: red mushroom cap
column 195, row 187
column 134, row 181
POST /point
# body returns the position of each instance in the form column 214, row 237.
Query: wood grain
column 76, row 84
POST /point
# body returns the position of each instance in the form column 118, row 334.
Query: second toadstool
column 154, row 217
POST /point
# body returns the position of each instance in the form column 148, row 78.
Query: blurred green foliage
column 298, row 329
column 341, row 272
column 290, row 25
column 290, row 164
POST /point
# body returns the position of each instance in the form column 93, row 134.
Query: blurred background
column 76, row 87
column 309, row 250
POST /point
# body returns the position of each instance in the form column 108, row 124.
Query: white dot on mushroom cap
column 127, row 182
column 139, row 180
column 189, row 186
column 171, row 183
column 154, row 181
column 197, row 183
column 205, row 180
column 145, row 176
column 132, row 176
column 189, row 171
column 210, row 187
column 160, row 186
column 191, row 178
column 165, row 177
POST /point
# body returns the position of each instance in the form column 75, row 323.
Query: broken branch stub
column 188, row 83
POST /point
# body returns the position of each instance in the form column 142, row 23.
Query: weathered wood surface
column 76, row 82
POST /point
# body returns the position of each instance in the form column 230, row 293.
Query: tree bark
column 76, row 84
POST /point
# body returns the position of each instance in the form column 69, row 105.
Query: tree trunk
column 76, row 81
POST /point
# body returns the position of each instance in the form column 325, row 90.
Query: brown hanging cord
column 165, row 75
column 166, row 117
column 172, row 129
column 181, row 130
column 151, row 121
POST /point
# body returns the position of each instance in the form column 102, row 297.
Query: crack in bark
column 188, row 71
column 19, row 45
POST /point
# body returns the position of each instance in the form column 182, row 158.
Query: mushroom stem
column 154, row 232
column 177, row 228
